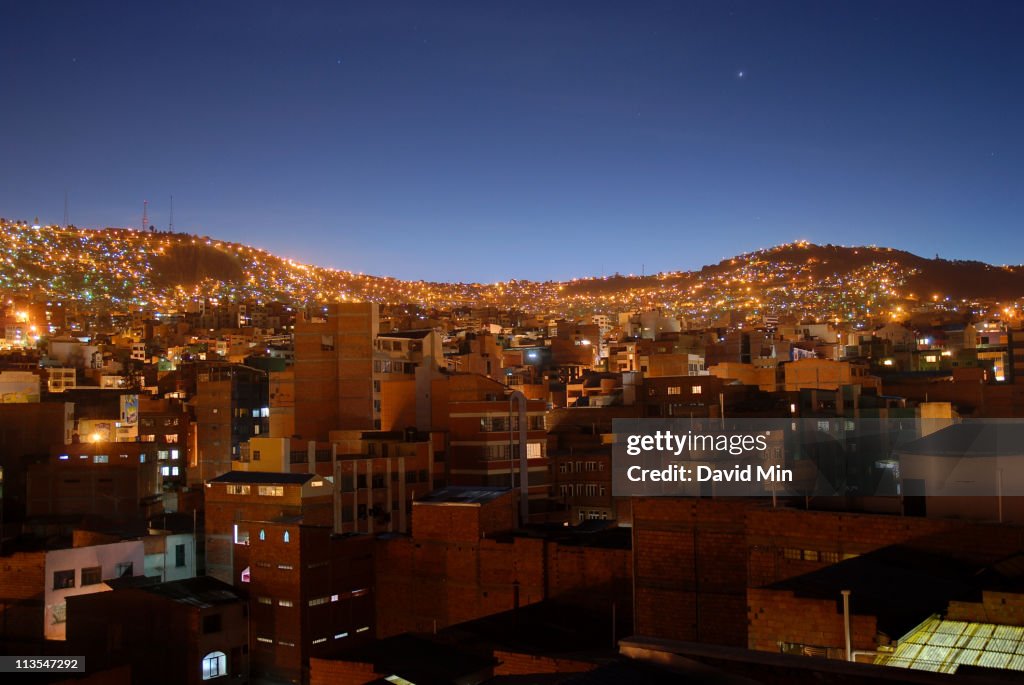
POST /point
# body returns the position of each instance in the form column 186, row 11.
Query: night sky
column 545, row 140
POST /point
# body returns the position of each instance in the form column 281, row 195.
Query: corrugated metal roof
column 942, row 646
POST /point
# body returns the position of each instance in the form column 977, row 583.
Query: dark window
column 211, row 623
column 124, row 570
column 92, row 575
column 361, row 481
column 378, row 481
column 361, row 513
column 63, row 579
column 179, row 555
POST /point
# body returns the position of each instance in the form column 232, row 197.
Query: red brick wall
column 593, row 578
column 423, row 581
column 332, row 672
column 772, row 530
column 778, row 616
column 440, row 522
column 995, row 607
column 428, row 580
column 695, row 559
column 22, row 584
column 690, row 567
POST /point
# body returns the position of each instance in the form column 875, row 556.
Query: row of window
column 393, row 366
column 242, row 536
column 101, row 458
column 583, row 489
column 166, row 421
column 262, row 490
column 580, row 466
column 501, row 424
column 534, row 450
column 316, row 641
column 93, row 575
column 795, row 554
column 677, row 390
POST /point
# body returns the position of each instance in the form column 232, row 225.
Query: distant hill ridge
column 129, row 267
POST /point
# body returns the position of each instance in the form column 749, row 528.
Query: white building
column 83, row 570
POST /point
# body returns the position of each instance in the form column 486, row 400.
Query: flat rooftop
column 463, row 495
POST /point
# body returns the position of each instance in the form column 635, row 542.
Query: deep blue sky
column 485, row 140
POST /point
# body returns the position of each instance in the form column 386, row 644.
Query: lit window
column 284, row 603
column 263, row 534
column 696, row 390
column 287, row 536
column 271, row 490
column 675, row 390
column 215, row 664
column 165, row 470
column 100, row 459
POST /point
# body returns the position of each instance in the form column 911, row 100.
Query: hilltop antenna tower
column 170, row 224
column 145, row 214
column 65, row 209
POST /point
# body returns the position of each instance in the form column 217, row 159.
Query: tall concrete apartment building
column 231, row 406
column 334, row 352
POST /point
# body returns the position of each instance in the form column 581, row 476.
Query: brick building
column 311, row 592
column 231, row 405
column 465, row 561
column 334, row 354
column 185, row 631
column 36, row 584
column 699, row 564
column 118, row 480
column 237, row 497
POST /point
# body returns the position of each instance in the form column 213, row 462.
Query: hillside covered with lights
column 130, row 269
